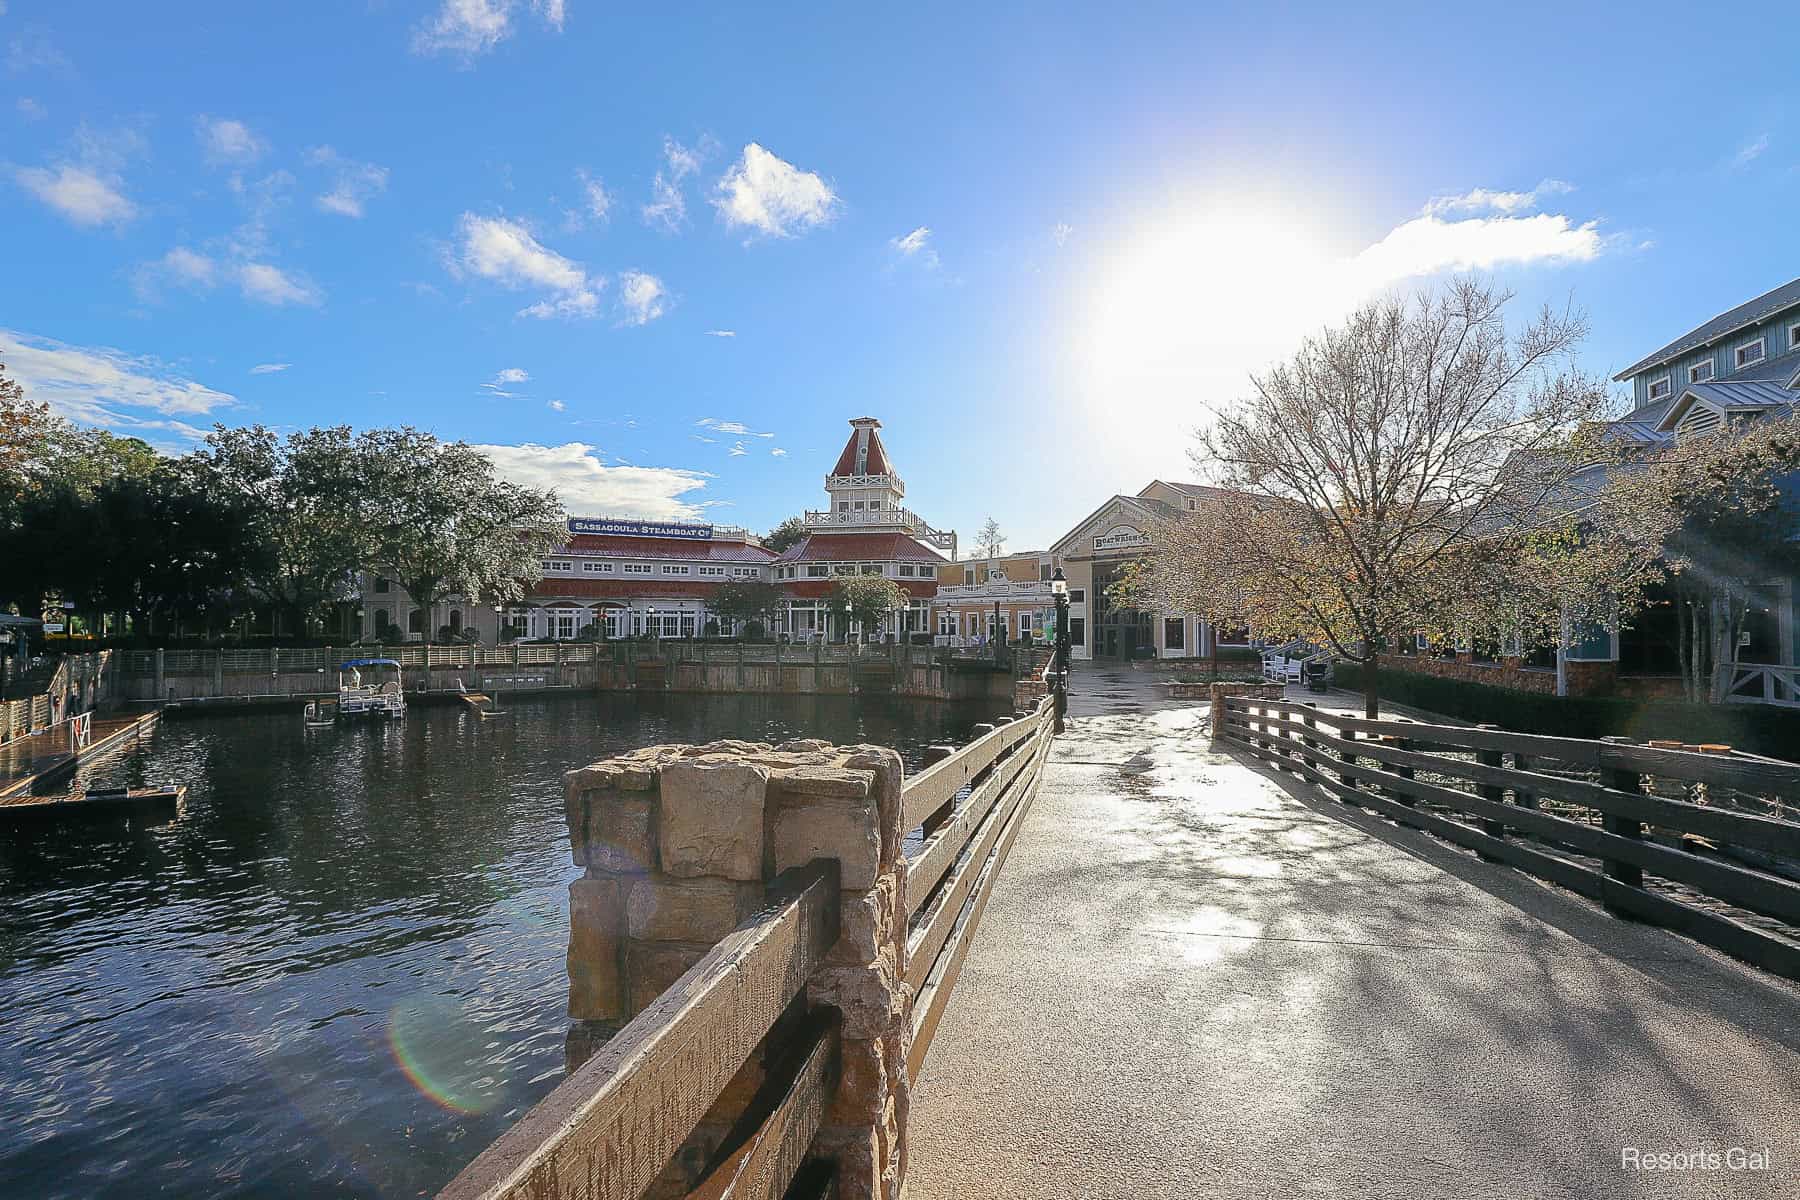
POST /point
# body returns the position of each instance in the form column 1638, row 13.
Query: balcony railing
column 1009, row 588
column 882, row 518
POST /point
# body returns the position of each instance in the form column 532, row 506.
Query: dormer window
column 1794, row 336
column 1658, row 389
column 1700, row 372
column 1751, row 352
column 1700, row 420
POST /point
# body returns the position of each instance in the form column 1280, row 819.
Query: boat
column 379, row 697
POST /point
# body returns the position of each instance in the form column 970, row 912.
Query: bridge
column 1245, row 947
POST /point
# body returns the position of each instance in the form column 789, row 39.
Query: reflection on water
column 341, row 970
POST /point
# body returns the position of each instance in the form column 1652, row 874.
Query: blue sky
column 1035, row 241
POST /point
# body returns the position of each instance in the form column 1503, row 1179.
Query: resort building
column 621, row 577
column 864, row 529
column 1096, row 552
column 978, row 598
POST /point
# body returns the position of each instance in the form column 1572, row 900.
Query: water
column 340, row 971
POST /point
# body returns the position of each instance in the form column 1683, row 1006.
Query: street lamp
column 655, row 632
column 1059, row 588
column 499, row 624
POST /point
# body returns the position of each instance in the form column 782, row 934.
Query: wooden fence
column 1707, row 844
column 608, row 1130
column 963, row 846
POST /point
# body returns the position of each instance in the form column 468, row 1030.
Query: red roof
column 621, row 589
column 813, row 589
column 692, row 550
column 875, row 463
column 860, row 547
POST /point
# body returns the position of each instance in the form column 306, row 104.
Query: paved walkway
column 1191, row 983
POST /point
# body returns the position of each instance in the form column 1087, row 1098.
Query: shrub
column 1756, row 728
column 754, row 630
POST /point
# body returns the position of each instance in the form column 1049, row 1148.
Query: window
column 843, row 568
column 1658, row 388
column 415, row 621
column 381, row 586
column 1077, row 631
column 817, row 571
column 905, row 569
column 871, row 568
column 1077, row 595
column 1192, row 504
column 674, row 569
column 712, row 570
column 1751, row 352
column 1043, row 572
column 968, row 576
column 1174, row 633
column 597, row 568
column 565, row 624
column 381, row 622
column 745, row 572
column 1794, row 336
column 637, row 568
column 1700, row 372
column 843, row 506
column 1027, row 623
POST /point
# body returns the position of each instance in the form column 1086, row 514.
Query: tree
column 306, row 500
column 868, row 597
column 790, row 532
column 1414, row 470
column 738, row 600
column 990, row 541
column 1736, row 521
column 444, row 522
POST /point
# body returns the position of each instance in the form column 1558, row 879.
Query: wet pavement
column 1193, row 981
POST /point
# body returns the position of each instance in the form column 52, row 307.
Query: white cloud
column 772, row 196
column 354, row 183
column 465, row 28
column 83, row 196
column 269, row 368
column 180, row 266
column 721, row 333
column 228, row 141
column 271, row 285
column 100, row 386
column 1751, row 151
column 642, row 296
column 588, row 486
column 553, row 12
column 556, row 406
column 737, row 449
column 734, row 428
column 778, row 452
column 30, row 109
column 917, row 247
column 1060, row 234
column 1429, row 245
column 698, row 437
column 667, row 209
column 507, row 253
column 597, row 202
column 506, row 379
column 1490, row 200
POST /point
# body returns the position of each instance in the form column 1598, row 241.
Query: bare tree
column 1414, row 470
column 990, row 541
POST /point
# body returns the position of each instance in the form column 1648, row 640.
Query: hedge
column 1756, row 728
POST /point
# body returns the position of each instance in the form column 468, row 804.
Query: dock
column 158, row 801
column 30, row 761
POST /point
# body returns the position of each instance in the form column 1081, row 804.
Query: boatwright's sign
column 1120, row 537
column 663, row 529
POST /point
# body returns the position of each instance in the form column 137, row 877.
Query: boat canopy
column 367, row 662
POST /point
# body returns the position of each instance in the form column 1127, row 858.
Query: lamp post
column 655, row 631
column 499, row 624
column 1059, row 588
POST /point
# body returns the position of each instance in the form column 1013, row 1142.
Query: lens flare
column 433, row 1043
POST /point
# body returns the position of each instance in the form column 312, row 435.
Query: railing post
column 1622, row 780
column 678, row 844
column 158, row 692
column 1522, row 762
column 1491, row 791
column 933, row 755
column 1308, row 718
column 219, row 672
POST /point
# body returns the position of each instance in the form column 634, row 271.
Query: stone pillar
column 158, row 692
column 678, row 845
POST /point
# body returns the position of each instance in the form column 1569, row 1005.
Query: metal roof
column 1746, row 314
column 367, row 662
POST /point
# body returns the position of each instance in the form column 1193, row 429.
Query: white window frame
column 1664, row 382
column 1694, row 375
column 1794, row 336
column 1737, row 353
column 675, row 569
column 639, row 569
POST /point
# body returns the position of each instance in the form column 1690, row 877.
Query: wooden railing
column 1705, row 843
column 951, row 874
column 606, row 1131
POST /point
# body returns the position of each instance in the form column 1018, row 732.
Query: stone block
column 857, row 1152
column 710, row 819
column 866, row 1085
column 886, row 774
column 621, row 831
column 705, row 909
column 870, row 997
column 845, row 828
column 596, row 939
column 650, row 967
column 867, row 921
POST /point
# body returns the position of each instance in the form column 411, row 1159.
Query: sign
column 661, row 529
column 53, row 626
column 1121, row 537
